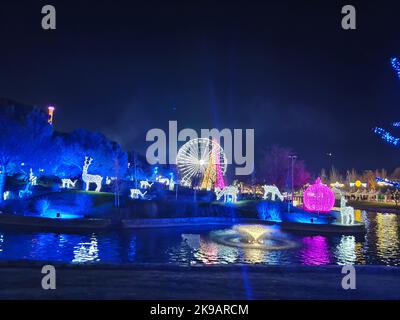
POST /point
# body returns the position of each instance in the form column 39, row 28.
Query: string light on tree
column 386, row 136
column 388, row 182
column 396, row 66
column 381, row 132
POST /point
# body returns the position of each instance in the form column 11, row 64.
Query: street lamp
column 292, row 158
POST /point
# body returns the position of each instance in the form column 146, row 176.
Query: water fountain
column 252, row 233
column 250, row 236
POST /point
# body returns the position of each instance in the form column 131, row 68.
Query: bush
column 83, row 203
column 19, row 206
column 42, row 205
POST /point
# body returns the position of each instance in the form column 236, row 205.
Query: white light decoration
column 337, row 185
column 6, row 195
column 137, row 194
column 346, row 213
column 144, row 184
column 162, row 180
column 110, row 179
column 90, row 178
column 26, row 192
column 358, row 184
column 32, row 178
column 274, row 191
column 171, row 184
column 229, row 193
column 338, row 193
column 68, row 183
column 194, row 157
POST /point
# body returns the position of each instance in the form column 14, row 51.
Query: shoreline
column 51, row 224
column 173, row 282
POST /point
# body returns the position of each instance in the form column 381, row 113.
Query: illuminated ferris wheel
column 201, row 162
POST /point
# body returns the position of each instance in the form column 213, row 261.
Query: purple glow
column 315, row 251
column 318, row 197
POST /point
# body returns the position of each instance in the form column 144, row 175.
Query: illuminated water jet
column 252, row 233
column 259, row 237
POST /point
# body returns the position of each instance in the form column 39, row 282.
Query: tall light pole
column 292, row 158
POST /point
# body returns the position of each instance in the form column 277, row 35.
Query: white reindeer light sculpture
column 137, row 194
column 346, row 213
column 144, row 184
column 90, row 178
column 68, row 183
column 274, row 191
column 163, row 180
column 229, row 193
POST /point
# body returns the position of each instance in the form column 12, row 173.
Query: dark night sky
column 285, row 68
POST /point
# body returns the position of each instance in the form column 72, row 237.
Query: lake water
column 194, row 245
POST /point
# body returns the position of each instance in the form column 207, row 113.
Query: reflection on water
column 86, row 251
column 208, row 252
column 387, row 237
column 254, row 255
column 346, row 250
column 132, row 249
column 358, row 215
column 195, row 245
column 1, row 242
column 315, row 251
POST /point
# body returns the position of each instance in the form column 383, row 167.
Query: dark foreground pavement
column 23, row 281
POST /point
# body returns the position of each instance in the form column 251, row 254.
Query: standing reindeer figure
column 346, row 213
column 90, row 178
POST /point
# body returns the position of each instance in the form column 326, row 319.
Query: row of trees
column 367, row 176
column 30, row 142
column 276, row 168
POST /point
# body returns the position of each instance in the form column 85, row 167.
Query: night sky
column 284, row 68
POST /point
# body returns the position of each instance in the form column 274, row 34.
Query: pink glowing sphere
column 318, row 197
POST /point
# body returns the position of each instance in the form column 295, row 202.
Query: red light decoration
column 318, row 197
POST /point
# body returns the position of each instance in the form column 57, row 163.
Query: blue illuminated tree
column 381, row 132
column 108, row 157
column 26, row 142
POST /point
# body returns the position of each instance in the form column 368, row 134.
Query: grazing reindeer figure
column 144, row 184
column 229, row 193
column 90, row 178
column 163, row 180
column 346, row 213
column 274, row 191
column 68, row 183
column 137, row 194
